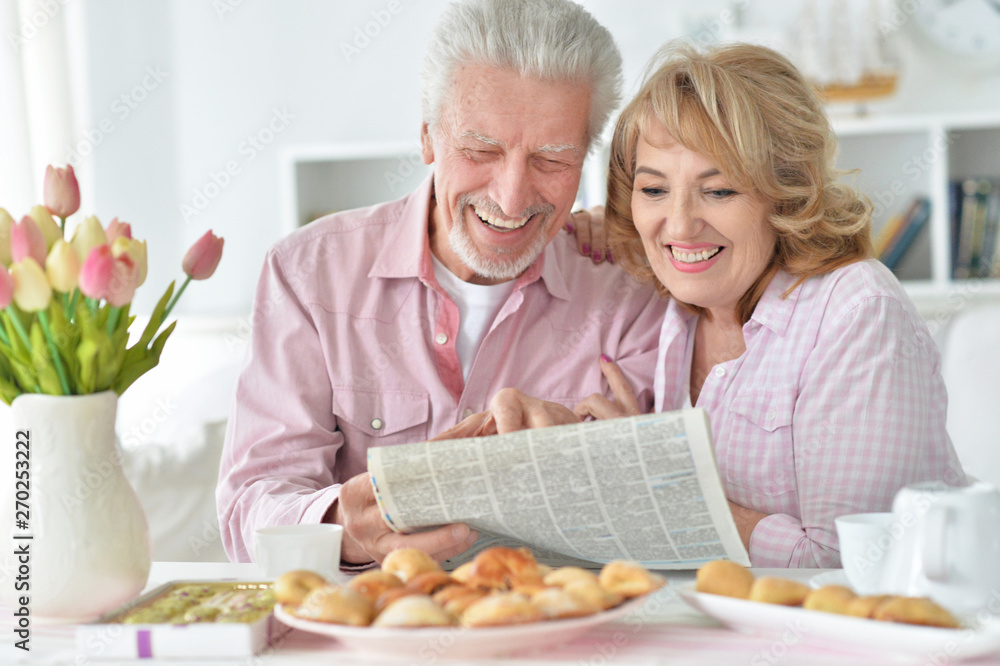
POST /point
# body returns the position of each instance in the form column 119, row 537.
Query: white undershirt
column 478, row 305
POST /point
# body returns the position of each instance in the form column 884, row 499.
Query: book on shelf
column 975, row 232
column 912, row 222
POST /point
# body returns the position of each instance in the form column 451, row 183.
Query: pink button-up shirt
column 835, row 405
column 354, row 346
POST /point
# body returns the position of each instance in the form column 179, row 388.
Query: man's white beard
column 503, row 269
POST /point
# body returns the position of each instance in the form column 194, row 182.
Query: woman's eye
column 653, row 191
column 721, row 193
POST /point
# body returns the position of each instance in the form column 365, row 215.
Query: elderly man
column 390, row 324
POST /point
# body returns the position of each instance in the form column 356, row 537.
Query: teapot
column 949, row 546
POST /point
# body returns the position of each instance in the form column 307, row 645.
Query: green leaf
column 48, row 377
column 150, row 358
column 86, row 353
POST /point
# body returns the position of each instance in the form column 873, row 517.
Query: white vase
column 89, row 549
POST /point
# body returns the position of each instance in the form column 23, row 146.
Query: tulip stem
column 71, row 308
column 19, row 327
column 43, row 319
column 62, row 225
column 113, row 320
column 3, row 337
column 176, row 298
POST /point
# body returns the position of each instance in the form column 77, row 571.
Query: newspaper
column 644, row 488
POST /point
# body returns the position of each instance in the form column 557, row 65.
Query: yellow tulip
column 62, row 267
column 48, row 226
column 136, row 251
column 6, row 221
column 31, row 288
column 87, row 236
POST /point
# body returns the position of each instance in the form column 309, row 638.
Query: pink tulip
column 203, row 257
column 6, row 288
column 116, row 229
column 95, row 274
column 62, row 192
column 26, row 240
column 124, row 280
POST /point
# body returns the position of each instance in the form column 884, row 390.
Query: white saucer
column 835, row 577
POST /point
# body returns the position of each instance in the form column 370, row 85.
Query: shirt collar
column 774, row 310
column 398, row 258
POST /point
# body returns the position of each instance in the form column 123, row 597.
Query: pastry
column 563, row 575
column 292, row 587
column 338, row 605
column 461, row 573
column 830, row 599
column 771, row 590
column 915, row 610
column 456, row 598
column 417, row 610
column 501, row 608
column 556, row 604
column 373, row 583
column 726, row 578
column 392, row 595
column 629, row 579
column 593, row 594
column 501, row 568
column 866, row 606
column 407, row 563
column 430, row 582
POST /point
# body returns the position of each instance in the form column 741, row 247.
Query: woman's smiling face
column 707, row 241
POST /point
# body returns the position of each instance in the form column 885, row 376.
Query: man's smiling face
column 507, row 155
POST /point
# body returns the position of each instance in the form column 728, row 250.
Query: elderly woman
column 820, row 378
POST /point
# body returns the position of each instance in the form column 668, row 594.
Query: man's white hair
column 554, row 40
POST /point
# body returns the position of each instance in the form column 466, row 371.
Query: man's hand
column 746, row 520
column 600, row 407
column 367, row 537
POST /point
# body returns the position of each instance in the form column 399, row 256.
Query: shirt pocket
column 759, row 453
column 381, row 418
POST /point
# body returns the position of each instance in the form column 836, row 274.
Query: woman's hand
column 600, row 407
column 511, row 410
column 588, row 225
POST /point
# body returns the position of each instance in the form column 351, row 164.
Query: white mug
column 289, row 547
column 864, row 539
column 949, row 547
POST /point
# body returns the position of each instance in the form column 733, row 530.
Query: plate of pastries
column 834, row 614
column 501, row 601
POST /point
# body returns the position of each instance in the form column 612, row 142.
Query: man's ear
column 426, row 144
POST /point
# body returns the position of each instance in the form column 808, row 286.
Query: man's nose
column 512, row 188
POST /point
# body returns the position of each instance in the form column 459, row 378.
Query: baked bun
column 373, row 583
column 726, row 578
column 392, row 595
column 417, row 610
column 501, row 568
column 430, row 582
column 501, row 608
column 771, row 590
column 915, row 610
column 292, row 587
column 563, row 575
column 461, row 573
column 407, row 563
column 456, row 598
column 593, row 594
column 557, row 604
column 339, row 605
column 866, row 606
column 629, row 579
column 830, row 599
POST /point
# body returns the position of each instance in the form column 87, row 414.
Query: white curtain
column 36, row 126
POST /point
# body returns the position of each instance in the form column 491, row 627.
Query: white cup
column 865, row 539
column 290, row 547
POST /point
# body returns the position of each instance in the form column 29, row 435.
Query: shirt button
column 441, row 338
column 773, row 414
column 468, row 412
column 720, row 372
column 377, row 424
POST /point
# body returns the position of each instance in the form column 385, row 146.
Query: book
column 955, row 219
column 886, row 235
column 962, row 268
column 914, row 221
column 991, row 233
column 983, row 188
column 645, row 488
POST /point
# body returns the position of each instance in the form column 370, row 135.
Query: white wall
column 227, row 65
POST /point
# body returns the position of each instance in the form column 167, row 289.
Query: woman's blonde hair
column 750, row 111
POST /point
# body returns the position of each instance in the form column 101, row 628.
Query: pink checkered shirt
column 836, row 404
column 354, row 346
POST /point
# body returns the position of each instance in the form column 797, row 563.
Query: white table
column 672, row 633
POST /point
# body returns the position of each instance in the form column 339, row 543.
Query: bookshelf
column 899, row 157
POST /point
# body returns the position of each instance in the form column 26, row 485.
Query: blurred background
column 253, row 117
